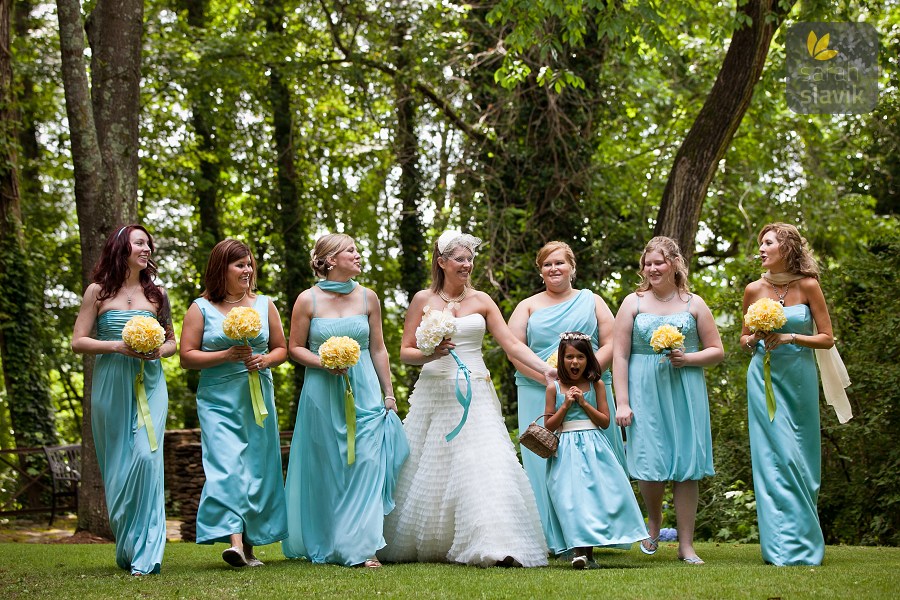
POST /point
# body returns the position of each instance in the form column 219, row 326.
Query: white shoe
column 234, row 556
column 579, row 562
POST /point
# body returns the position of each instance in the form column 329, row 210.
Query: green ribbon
column 770, row 392
column 256, row 396
column 144, row 419
column 350, row 415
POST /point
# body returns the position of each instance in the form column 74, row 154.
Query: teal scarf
column 341, row 287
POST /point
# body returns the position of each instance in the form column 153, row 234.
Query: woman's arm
column 621, row 354
column 748, row 339
column 301, row 317
column 191, row 354
column 605, row 321
column 170, row 346
column 277, row 352
column 518, row 325
column 82, row 342
column 409, row 350
column 712, row 353
column 510, row 344
column 379, row 352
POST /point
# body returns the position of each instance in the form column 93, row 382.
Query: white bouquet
column 435, row 326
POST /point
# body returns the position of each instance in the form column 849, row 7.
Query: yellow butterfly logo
column 818, row 47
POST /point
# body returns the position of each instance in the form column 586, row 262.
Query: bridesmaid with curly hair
column 123, row 287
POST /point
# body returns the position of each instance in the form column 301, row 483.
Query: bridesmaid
column 243, row 498
column 538, row 321
column 132, row 473
column 786, row 452
column 337, row 509
column 662, row 401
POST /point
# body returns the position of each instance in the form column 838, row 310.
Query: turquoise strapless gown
column 244, row 491
column 132, row 474
column 591, row 500
column 786, row 452
column 337, row 510
column 542, row 336
column 669, row 438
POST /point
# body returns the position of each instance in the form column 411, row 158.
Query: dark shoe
column 579, row 562
column 234, row 556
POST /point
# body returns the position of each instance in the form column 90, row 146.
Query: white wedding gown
column 468, row 500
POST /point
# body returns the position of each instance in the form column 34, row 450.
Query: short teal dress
column 786, row 452
column 542, row 336
column 132, row 473
column 337, row 510
column 669, row 438
column 591, row 500
column 244, row 491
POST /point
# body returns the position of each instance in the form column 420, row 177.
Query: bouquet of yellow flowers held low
column 244, row 323
column 342, row 352
column 143, row 335
column 766, row 315
column 553, row 359
column 666, row 338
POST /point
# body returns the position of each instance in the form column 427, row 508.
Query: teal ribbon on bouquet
column 465, row 400
column 144, row 418
column 350, row 415
column 770, row 391
column 256, row 397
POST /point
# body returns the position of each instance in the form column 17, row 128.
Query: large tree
column 21, row 306
column 103, row 125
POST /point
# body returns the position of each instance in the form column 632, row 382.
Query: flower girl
column 591, row 500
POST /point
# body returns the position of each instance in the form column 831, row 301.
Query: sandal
column 651, row 546
column 693, row 560
column 372, row 563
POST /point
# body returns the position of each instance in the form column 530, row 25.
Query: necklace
column 226, row 301
column 453, row 303
column 128, row 296
column 780, row 295
column 672, row 295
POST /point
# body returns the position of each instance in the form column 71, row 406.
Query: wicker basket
column 539, row 439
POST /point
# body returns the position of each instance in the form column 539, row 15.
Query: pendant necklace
column 780, row 295
column 453, row 303
column 129, row 296
column 227, row 301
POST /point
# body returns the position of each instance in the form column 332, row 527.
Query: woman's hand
column 678, row 358
column 256, row 362
column 444, row 348
column 239, row 353
column 390, row 403
column 624, row 416
column 773, row 340
column 125, row 350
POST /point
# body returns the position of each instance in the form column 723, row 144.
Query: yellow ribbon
column 256, row 396
column 350, row 415
column 770, row 392
column 144, row 418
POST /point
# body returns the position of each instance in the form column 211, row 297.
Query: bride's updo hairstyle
column 672, row 253
column 445, row 247
column 327, row 246
column 797, row 256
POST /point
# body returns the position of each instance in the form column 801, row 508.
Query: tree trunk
column 709, row 137
column 413, row 248
column 27, row 388
column 103, row 125
column 294, row 220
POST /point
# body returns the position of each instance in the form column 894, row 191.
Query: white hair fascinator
column 453, row 238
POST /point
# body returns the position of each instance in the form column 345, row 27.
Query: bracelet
column 390, row 398
column 793, row 338
column 749, row 344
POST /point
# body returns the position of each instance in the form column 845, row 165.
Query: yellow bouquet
column 143, row 335
column 766, row 315
column 553, row 360
column 342, row 352
column 244, row 323
column 666, row 337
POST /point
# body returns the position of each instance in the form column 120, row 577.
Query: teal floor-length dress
column 786, row 452
column 244, row 491
column 336, row 510
column 591, row 500
column 669, row 438
column 542, row 336
column 132, row 473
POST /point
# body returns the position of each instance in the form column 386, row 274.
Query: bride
column 466, row 500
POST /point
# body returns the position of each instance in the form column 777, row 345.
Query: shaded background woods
column 522, row 121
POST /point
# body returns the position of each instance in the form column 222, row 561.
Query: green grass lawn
column 191, row 571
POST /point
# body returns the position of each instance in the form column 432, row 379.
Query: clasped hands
column 243, row 353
